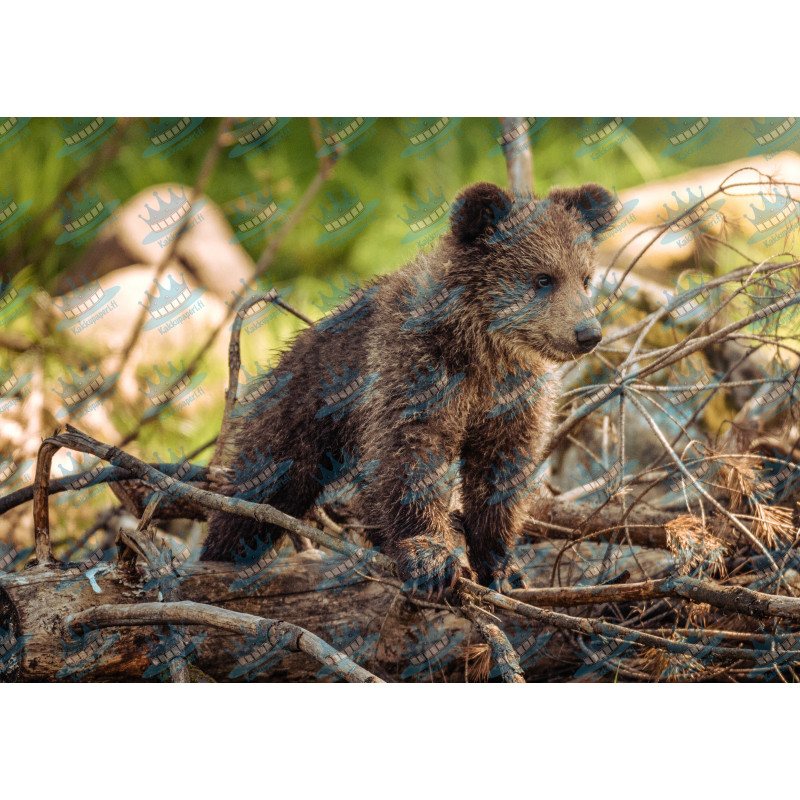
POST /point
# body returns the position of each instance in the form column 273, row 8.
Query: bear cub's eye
column 585, row 283
column 543, row 280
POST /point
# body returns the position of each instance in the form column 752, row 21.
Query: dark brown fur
column 474, row 263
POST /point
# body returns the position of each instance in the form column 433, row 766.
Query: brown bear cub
column 440, row 374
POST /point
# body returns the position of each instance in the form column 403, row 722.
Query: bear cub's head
column 528, row 264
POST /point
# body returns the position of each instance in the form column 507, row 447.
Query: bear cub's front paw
column 431, row 566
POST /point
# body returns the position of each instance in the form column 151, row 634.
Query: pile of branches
column 675, row 558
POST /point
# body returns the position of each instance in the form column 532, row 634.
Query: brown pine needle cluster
column 773, row 525
column 479, row 662
column 738, row 478
column 694, row 547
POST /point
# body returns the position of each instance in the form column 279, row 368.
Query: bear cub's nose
column 588, row 334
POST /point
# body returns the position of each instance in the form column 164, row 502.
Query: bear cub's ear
column 595, row 206
column 477, row 210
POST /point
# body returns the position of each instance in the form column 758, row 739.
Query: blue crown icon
column 344, row 392
column 256, row 217
column 169, row 388
column 13, row 300
column 85, row 651
column 777, row 215
column 429, row 304
column 261, row 391
column 176, row 643
column 170, row 215
column 258, row 654
column 82, row 302
column 516, row 305
column 345, row 479
column 352, row 649
column 256, row 134
column 79, row 217
column 430, row 649
column 694, row 304
column 770, row 132
column 8, row 468
column 342, row 134
column 426, row 134
column 600, row 133
column 340, row 570
column 518, row 390
column 686, row 213
column 528, row 644
column 431, row 391
column 431, row 475
column 12, row 215
column 8, row 381
column 82, row 134
column 11, row 130
column 515, row 220
column 82, row 388
column 687, row 134
column 428, row 216
column 517, row 476
column 516, row 139
column 344, row 216
column 349, row 303
column 83, row 474
column 165, row 133
column 258, row 565
column 604, row 654
column 169, row 301
column 261, row 311
column 257, row 479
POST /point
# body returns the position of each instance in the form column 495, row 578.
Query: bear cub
column 435, row 376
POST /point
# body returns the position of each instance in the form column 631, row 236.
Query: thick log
column 368, row 619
